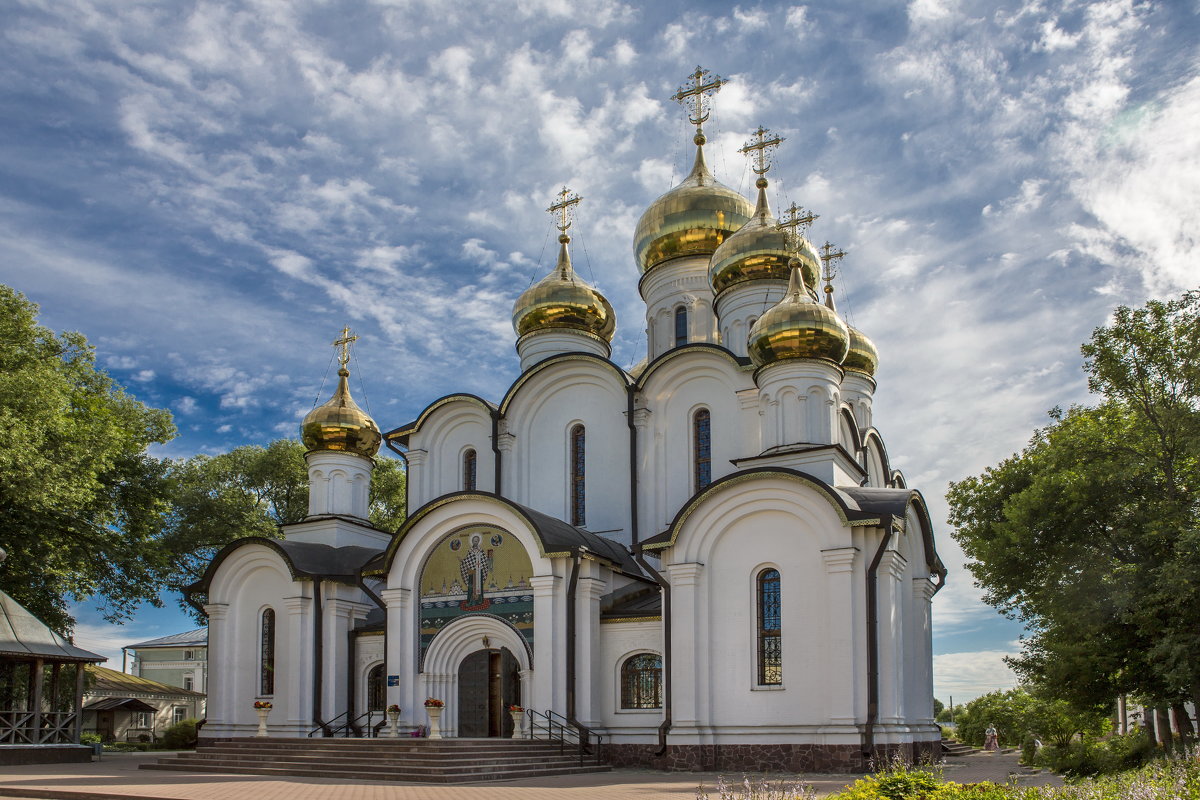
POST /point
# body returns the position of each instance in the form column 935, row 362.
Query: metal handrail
column 582, row 732
column 559, row 729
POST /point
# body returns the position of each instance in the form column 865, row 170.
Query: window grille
column 376, row 689
column 702, row 448
column 267, row 660
column 469, row 470
column 681, row 326
column 578, row 497
column 641, row 681
column 770, row 651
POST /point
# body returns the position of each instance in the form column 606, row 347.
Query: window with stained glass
column 641, row 681
column 266, row 684
column 702, row 448
column 578, row 497
column 770, row 651
column 681, row 326
column 469, row 470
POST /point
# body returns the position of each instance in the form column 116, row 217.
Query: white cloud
column 186, row 405
column 965, row 676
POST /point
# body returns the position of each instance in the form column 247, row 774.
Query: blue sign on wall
column 393, row 680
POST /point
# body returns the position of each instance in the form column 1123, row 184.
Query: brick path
column 117, row 776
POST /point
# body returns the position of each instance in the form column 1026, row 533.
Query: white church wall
column 442, row 440
column 541, row 415
column 368, row 653
column 343, row 608
column 713, row 568
column 249, row 581
column 618, row 642
column 680, row 282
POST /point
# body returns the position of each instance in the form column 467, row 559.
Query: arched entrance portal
column 489, row 681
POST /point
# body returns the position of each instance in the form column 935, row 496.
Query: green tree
column 1090, row 534
column 81, row 501
column 938, row 707
column 251, row 491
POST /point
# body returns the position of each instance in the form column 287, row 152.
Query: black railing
column 365, row 726
column 570, row 736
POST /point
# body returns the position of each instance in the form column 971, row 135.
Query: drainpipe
column 873, row 645
column 496, row 449
column 633, row 467
column 572, row 586
column 318, row 655
column 351, row 643
column 666, row 615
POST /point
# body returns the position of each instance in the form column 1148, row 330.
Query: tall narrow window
column 681, row 326
column 375, row 689
column 578, row 505
column 641, row 681
column 702, row 448
column 770, row 652
column 469, row 471
column 266, row 683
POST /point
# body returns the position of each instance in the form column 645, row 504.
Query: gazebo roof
column 22, row 635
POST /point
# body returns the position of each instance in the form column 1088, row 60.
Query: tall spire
column 563, row 209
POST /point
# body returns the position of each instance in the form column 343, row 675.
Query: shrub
column 90, row 738
column 760, row 789
column 1029, row 749
column 1090, row 757
column 949, row 733
column 181, row 735
column 896, row 781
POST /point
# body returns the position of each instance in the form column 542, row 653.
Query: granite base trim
column 751, row 758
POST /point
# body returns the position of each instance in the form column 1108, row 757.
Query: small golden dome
column 691, row 219
column 561, row 300
column 759, row 251
column 862, row 357
column 340, row 424
column 798, row 327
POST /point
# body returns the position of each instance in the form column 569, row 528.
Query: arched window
column 375, row 689
column 469, row 470
column 578, row 504
column 770, row 651
column 641, row 681
column 266, row 683
column 681, row 326
column 702, row 448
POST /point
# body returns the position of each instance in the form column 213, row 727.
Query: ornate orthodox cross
column 762, row 145
column 696, row 96
column 829, row 258
column 343, row 342
column 794, row 222
column 564, row 208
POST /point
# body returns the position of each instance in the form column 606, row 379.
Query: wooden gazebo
column 41, row 690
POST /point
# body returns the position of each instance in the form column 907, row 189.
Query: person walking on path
column 991, row 740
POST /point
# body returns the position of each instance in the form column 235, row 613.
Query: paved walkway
column 116, row 776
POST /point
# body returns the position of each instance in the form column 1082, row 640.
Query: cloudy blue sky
column 210, row 190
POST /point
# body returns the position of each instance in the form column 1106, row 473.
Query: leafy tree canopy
column 80, row 499
column 1091, row 535
column 1021, row 712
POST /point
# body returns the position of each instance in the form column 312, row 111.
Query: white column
column 641, row 424
column 587, row 641
column 505, row 442
column 400, row 657
column 839, row 645
column 297, row 662
column 921, row 649
column 223, row 689
column 547, row 644
column 891, row 637
column 689, row 656
column 417, row 479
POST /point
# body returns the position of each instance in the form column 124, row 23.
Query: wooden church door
column 488, row 683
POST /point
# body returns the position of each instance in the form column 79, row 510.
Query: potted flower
column 393, row 712
column 518, row 715
column 262, row 708
column 434, row 708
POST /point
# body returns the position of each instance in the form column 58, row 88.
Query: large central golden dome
column 340, row 425
column 691, row 219
column 759, row 250
column 562, row 300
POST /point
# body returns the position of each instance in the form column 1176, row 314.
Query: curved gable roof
column 695, row 347
column 401, row 434
column 555, row 538
column 843, row 504
column 550, row 363
column 896, row 503
column 304, row 560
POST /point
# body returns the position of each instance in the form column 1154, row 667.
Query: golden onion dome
column 862, row 356
column 798, row 327
column 694, row 218
column 562, row 300
column 340, row 425
column 759, row 250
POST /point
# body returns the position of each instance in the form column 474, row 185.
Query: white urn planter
column 435, row 721
column 262, row 720
column 393, row 718
column 518, row 718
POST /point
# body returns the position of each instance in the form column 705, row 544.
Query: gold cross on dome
column 829, row 258
column 564, row 208
column 761, row 144
column 697, row 94
column 797, row 218
column 343, row 342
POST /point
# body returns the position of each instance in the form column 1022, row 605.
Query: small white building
column 707, row 559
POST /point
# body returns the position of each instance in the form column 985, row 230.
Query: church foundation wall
column 746, row 758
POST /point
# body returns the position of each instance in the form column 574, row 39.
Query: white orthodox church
column 706, row 560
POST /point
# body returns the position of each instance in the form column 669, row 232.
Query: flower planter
column 262, row 720
column 435, row 721
column 393, row 718
column 518, row 718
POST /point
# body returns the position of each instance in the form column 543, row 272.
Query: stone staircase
column 950, row 748
column 420, row 760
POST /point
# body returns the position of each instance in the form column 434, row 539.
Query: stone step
column 420, row 776
column 464, row 760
